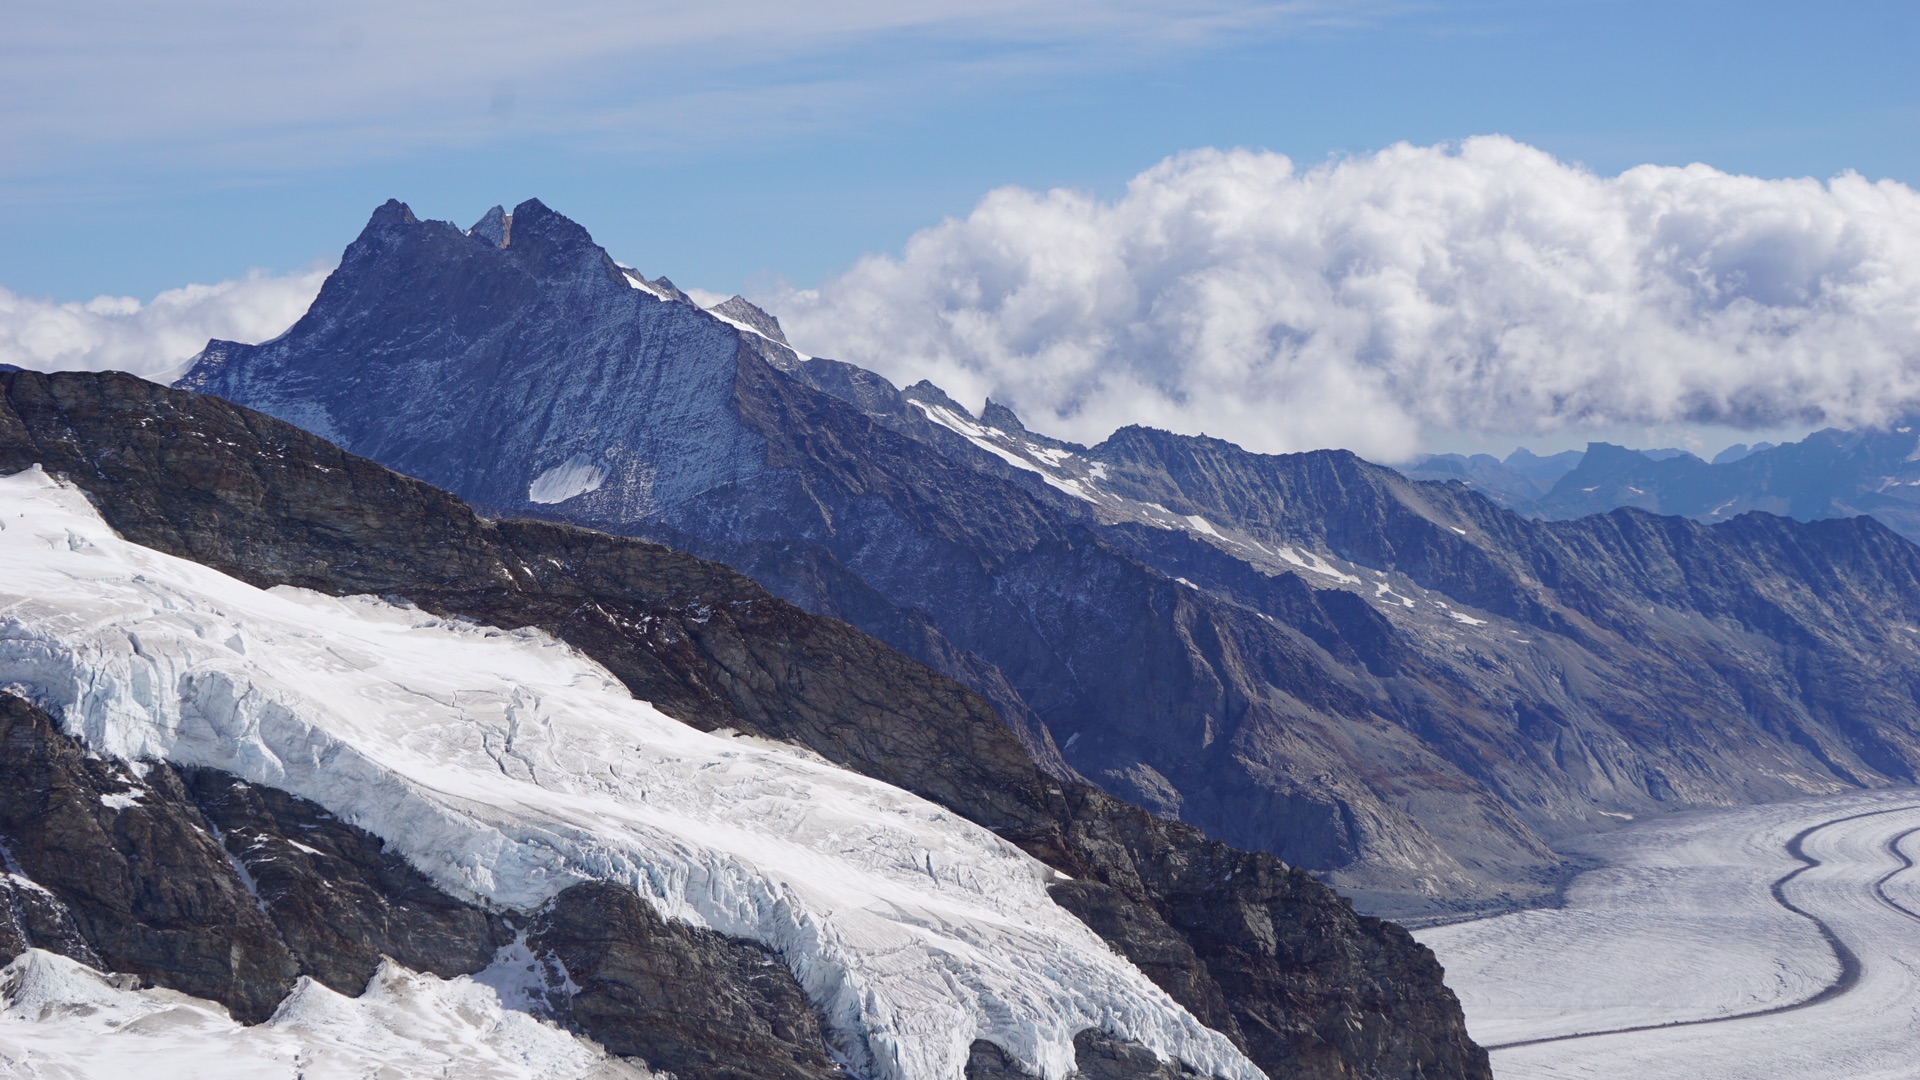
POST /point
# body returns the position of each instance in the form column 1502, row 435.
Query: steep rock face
column 1307, row 987
column 620, row 424
column 1663, row 660
column 338, row 898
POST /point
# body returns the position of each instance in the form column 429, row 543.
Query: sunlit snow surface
column 1682, row 925
column 62, row 1021
column 508, row 767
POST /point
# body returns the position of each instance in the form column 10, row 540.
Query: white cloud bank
column 156, row 339
column 1384, row 300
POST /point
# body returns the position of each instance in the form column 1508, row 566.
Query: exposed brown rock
column 339, row 899
column 147, row 887
column 685, row 1000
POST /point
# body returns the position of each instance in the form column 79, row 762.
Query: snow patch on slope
column 508, row 767
column 748, row 328
column 62, row 1019
column 575, row 476
column 982, row 438
column 1308, row 561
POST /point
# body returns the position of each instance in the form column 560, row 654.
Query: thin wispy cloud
column 220, row 82
column 1385, row 301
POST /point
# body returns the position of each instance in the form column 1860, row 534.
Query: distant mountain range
column 1829, row 474
column 1400, row 685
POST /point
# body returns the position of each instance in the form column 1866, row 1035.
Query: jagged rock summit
column 1398, row 685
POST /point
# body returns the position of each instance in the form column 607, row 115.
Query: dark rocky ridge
column 202, row 883
column 1537, row 678
column 337, row 898
column 1256, row 949
column 143, row 887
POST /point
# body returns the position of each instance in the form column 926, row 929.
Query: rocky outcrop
column 339, row 900
column 1255, row 948
column 135, row 874
column 687, row 1001
column 1096, row 1057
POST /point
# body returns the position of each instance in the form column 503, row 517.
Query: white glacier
column 1680, row 935
column 507, row 767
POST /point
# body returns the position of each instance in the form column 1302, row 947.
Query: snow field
column 61, row 1020
column 1681, row 925
column 575, row 476
column 508, row 767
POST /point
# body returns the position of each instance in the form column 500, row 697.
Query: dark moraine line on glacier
column 1906, row 864
column 1849, row 975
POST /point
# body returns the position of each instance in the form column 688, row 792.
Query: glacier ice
column 508, row 767
column 1680, row 923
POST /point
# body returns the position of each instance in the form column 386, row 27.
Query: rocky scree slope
column 1255, row 949
column 1397, row 685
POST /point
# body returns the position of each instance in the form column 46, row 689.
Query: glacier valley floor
column 1759, row 942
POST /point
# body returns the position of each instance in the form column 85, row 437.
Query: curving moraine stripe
column 1849, row 962
column 1906, row 864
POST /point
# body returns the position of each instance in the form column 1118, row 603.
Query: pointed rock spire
column 532, row 222
column 392, row 212
column 742, row 310
column 996, row 415
column 495, row 228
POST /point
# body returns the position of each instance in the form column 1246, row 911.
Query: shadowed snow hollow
column 508, row 767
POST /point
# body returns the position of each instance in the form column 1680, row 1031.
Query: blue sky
column 758, row 145
column 1392, row 226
